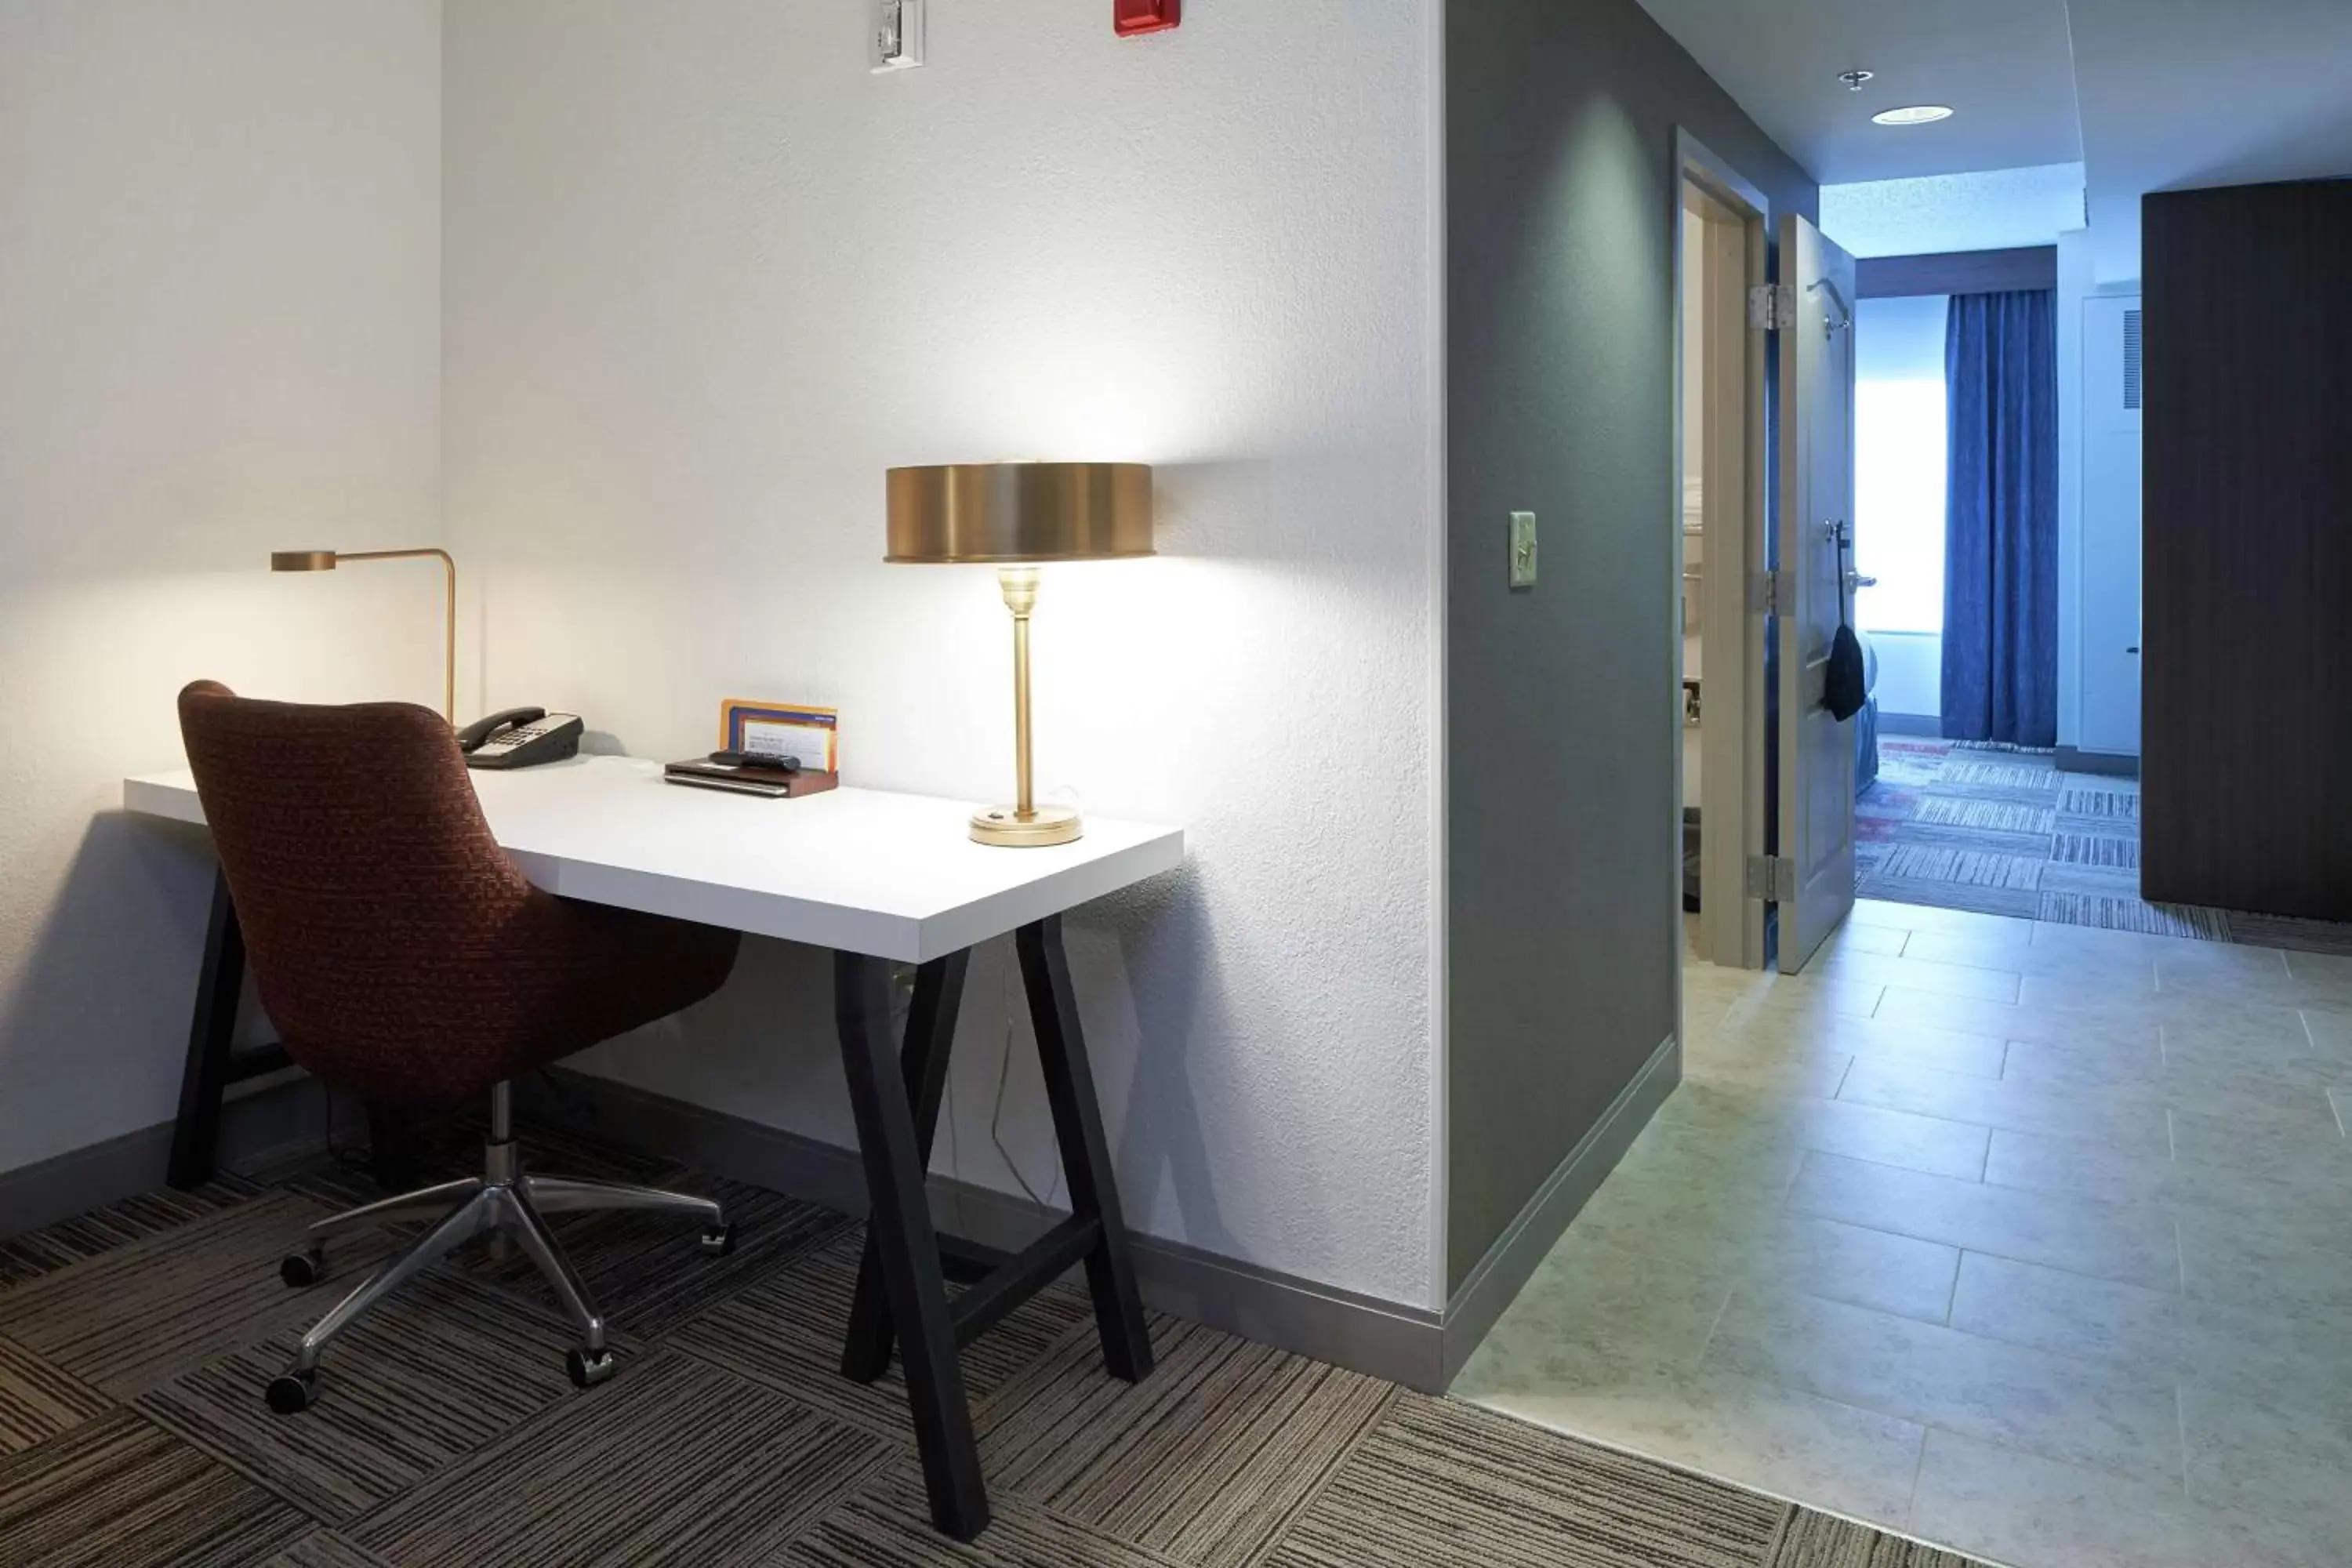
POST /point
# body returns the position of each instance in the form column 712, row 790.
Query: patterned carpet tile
column 1989, row 779
column 2115, row 806
column 1206, row 1460
column 37, row 1252
column 445, row 1367
column 325, row 1550
column 2104, row 850
column 1918, row 834
column 647, row 1273
column 2086, row 877
column 37, row 1401
column 674, row 1462
column 1810, row 1540
column 1978, row 867
column 785, row 1332
column 130, row 1318
column 1442, row 1485
column 890, row 1527
column 2010, row 817
column 1953, row 836
column 2129, row 912
column 117, row 1492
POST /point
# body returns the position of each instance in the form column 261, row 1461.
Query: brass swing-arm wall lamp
column 328, row 560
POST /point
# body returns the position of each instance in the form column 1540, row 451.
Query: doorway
column 1718, row 527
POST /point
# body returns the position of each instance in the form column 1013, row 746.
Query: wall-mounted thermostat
column 896, row 35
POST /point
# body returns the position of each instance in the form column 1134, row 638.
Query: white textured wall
column 219, row 334
column 707, row 279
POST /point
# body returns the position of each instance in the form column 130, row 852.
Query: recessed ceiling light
column 1916, row 114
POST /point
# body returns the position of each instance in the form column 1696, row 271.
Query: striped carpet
column 134, row 1344
column 2005, row 832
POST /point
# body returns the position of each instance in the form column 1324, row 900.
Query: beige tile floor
column 2031, row 1240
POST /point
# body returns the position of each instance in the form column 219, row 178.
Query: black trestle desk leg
column 907, row 1246
column 210, row 1033
column 1086, row 1153
column 930, row 1036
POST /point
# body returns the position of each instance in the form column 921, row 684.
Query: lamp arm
column 448, row 613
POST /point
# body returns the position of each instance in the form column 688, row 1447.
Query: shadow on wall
column 1158, row 944
column 764, row 1048
column 86, row 1055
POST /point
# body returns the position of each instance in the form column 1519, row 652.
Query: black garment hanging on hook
column 1845, row 688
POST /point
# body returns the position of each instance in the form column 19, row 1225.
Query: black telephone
column 520, row 738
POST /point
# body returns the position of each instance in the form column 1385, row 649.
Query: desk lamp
column 1015, row 517
column 328, row 560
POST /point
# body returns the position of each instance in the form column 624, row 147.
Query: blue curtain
column 2000, row 538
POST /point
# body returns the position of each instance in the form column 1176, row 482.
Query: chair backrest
column 373, row 898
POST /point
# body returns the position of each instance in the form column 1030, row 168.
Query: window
column 1900, row 456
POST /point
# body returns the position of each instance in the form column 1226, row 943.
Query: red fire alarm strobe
column 1131, row 18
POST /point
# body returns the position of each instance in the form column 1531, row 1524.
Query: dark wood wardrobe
column 2246, row 768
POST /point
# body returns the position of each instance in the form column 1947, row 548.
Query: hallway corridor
column 2031, row 1240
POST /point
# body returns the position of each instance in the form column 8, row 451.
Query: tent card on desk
column 808, row 736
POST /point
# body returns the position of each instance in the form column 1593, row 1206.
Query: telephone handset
column 520, row 738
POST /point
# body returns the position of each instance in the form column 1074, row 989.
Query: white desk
column 857, row 870
column 876, row 877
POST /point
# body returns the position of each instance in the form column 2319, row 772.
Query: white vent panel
column 2131, row 360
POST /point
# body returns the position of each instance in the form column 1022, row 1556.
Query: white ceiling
column 2182, row 93
column 2002, row 64
column 2146, row 94
column 1995, row 210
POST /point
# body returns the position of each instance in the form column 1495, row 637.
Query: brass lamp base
column 1005, row 826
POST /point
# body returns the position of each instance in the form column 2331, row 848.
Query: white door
column 2110, row 535
column 1815, row 529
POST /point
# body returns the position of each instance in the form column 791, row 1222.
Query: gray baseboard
column 260, row 1120
column 1421, row 1349
column 1926, row 725
column 2074, row 761
column 1500, row 1276
column 1403, row 1344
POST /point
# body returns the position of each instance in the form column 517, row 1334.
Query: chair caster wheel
column 720, row 1242
column 304, row 1268
column 293, row 1392
column 589, row 1368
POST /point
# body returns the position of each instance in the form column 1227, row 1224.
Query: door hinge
column 1771, row 307
column 1767, row 594
column 1772, row 879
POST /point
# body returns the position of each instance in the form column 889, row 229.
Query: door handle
column 1856, row 580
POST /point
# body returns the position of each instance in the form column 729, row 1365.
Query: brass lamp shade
column 301, row 561
column 1010, row 514
column 1014, row 516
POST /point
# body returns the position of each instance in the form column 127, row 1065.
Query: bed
column 1865, row 723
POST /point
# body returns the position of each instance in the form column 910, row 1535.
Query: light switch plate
column 1523, row 550
column 895, row 43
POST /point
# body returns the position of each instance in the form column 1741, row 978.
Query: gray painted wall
column 1561, row 196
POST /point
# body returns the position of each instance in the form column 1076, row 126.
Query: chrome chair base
column 507, row 1204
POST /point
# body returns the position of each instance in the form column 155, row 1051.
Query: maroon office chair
column 403, row 957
